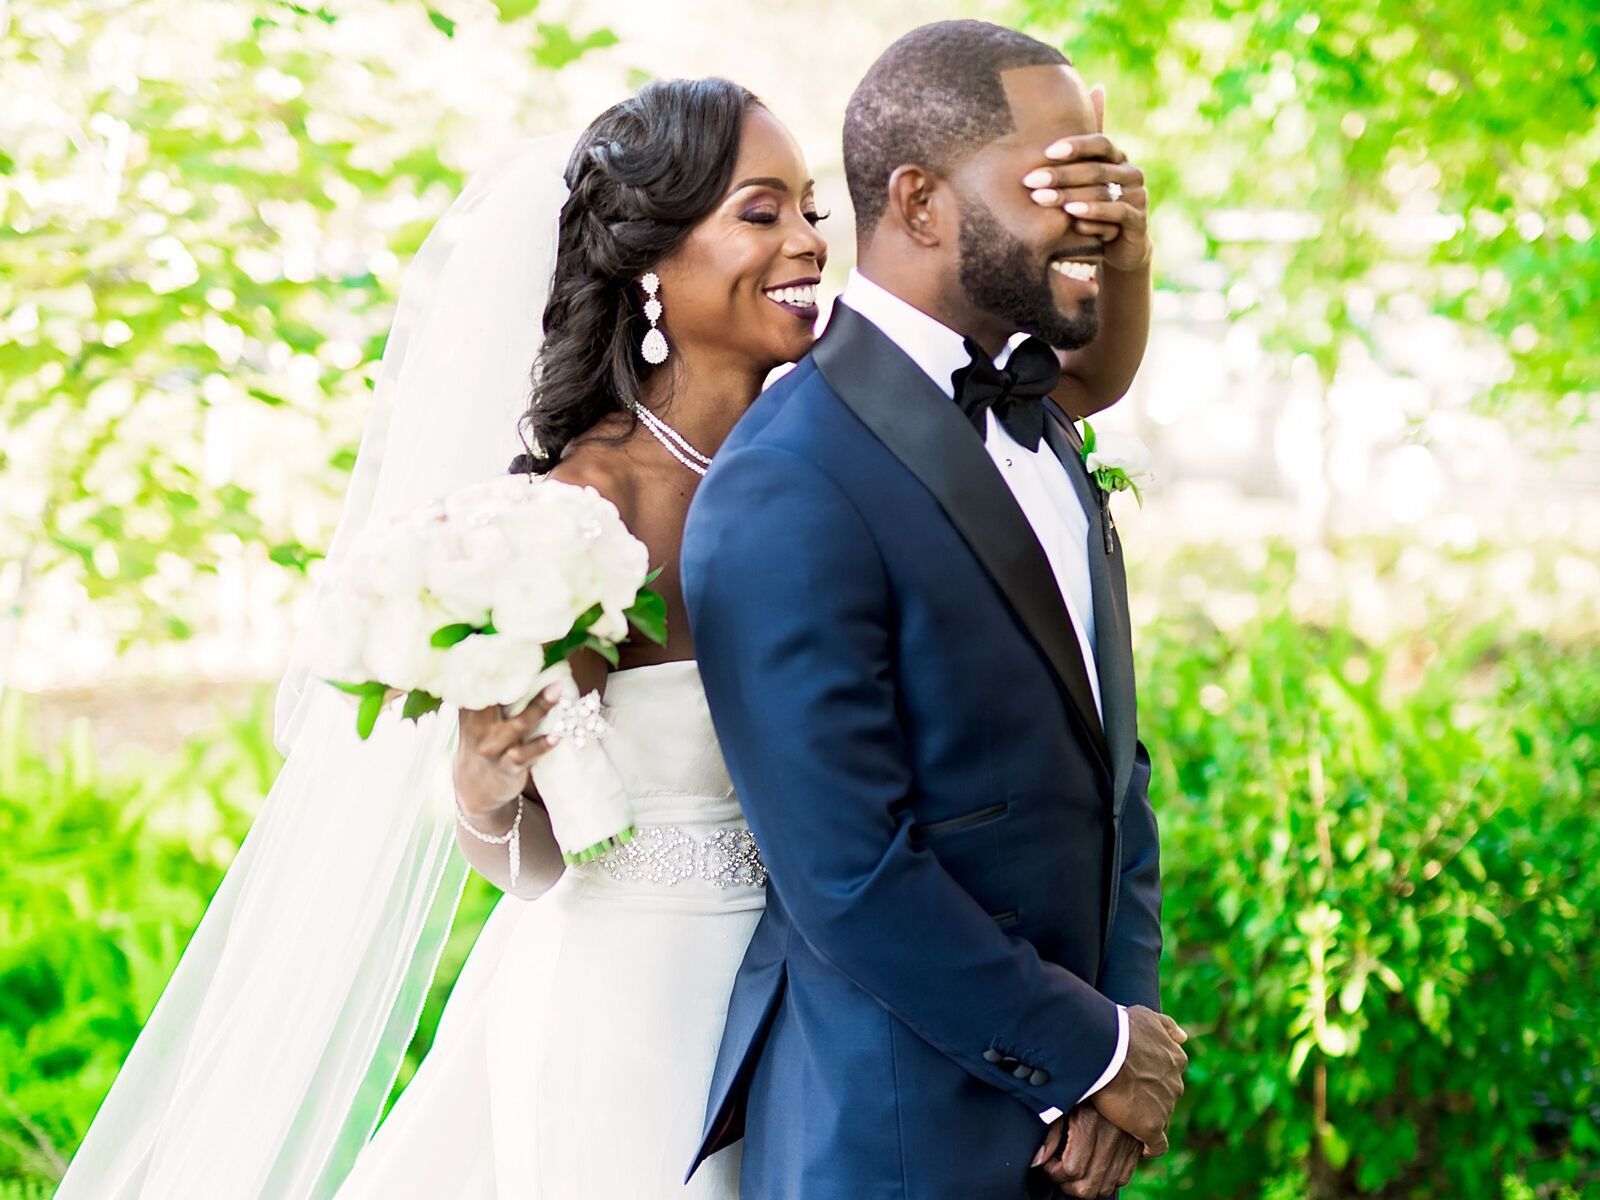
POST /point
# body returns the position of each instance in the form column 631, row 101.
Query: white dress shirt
column 1038, row 482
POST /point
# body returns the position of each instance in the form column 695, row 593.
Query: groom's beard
column 1004, row 278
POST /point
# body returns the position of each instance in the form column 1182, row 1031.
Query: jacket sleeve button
column 1023, row 1071
column 1039, row 1078
column 1008, row 1063
column 991, row 1055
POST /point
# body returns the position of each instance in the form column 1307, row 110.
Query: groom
column 910, row 615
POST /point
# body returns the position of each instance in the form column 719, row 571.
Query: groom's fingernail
column 1061, row 149
column 1038, row 1157
column 1046, row 196
column 1037, row 179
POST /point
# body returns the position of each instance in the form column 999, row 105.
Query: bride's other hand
column 493, row 755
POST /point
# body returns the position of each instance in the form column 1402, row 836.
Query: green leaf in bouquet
column 606, row 650
column 359, row 689
column 577, row 637
column 448, row 635
column 1088, row 439
column 367, row 714
column 419, row 704
column 649, row 615
column 651, row 578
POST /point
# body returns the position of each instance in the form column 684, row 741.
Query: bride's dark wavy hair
column 643, row 174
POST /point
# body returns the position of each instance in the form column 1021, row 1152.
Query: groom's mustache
column 1090, row 250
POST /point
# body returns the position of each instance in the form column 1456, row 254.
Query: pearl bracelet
column 511, row 838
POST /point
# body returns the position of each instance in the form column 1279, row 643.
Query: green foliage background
column 1382, row 916
column 204, row 210
column 1446, row 154
column 1381, row 904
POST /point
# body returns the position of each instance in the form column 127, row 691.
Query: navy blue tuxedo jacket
column 962, row 856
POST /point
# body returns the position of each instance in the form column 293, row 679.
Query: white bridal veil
column 264, row 1067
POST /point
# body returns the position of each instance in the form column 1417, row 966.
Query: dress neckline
column 676, row 662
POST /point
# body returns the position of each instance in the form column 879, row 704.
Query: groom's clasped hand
column 1094, row 1150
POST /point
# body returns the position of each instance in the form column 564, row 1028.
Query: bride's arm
column 541, row 862
column 491, row 776
column 1098, row 375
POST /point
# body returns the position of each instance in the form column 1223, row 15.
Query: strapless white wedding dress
column 574, row 1056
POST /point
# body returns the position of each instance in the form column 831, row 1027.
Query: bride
column 588, row 1071
column 574, row 1055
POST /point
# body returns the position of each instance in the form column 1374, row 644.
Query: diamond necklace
column 675, row 442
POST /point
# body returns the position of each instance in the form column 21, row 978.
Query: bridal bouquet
column 480, row 599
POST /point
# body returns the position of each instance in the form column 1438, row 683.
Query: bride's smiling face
column 742, row 287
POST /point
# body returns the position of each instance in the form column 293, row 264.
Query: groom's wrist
column 1118, row 1056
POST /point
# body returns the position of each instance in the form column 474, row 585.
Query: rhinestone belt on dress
column 668, row 854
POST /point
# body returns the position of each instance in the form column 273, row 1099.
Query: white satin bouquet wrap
column 479, row 599
column 590, row 812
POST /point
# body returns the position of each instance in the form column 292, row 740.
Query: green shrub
column 106, row 877
column 1381, row 911
column 1381, row 918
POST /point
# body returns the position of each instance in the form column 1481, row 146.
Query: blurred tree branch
column 203, row 215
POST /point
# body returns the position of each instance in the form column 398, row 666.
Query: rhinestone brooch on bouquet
column 579, row 721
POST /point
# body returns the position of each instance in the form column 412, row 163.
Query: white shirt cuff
column 1118, row 1057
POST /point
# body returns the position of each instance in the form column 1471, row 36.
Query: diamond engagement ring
column 1114, row 190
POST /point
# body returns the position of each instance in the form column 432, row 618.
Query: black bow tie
column 1016, row 393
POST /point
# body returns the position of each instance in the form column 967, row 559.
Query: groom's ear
column 912, row 206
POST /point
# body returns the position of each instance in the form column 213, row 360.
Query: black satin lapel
column 1113, row 639
column 933, row 439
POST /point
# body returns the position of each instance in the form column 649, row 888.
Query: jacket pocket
column 969, row 820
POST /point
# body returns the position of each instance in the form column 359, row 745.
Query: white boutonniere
column 1117, row 461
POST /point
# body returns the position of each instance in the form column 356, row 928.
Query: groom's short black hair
column 931, row 98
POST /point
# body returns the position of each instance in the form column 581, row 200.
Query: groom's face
column 1008, row 244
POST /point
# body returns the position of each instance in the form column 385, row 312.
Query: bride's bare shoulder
column 605, row 468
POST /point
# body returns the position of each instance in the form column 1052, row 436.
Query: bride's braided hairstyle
column 642, row 175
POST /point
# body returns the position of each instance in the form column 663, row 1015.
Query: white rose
column 462, row 565
column 397, row 649
column 1123, row 452
column 336, row 639
column 540, row 608
column 612, row 626
column 389, row 563
column 490, row 669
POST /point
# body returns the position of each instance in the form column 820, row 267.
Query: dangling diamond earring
column 655, row 342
